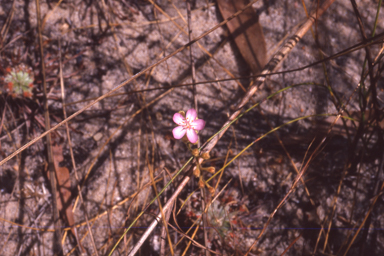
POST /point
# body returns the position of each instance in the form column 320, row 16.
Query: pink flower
column 188, row 124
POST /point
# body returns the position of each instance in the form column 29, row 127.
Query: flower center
column 188, row 124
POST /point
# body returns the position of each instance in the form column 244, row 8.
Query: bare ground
column 120, row 140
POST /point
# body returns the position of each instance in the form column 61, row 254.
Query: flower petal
column 198, row 124
column 192, row 136
column 179, row 119
column 179, row 132
column 191, row 115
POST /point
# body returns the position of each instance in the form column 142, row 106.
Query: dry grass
column 299, row 172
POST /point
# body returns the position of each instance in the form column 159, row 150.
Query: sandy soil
column 119, row 140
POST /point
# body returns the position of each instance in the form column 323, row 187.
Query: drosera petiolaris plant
column 18, row 81
column 188, row 127
column 225, row 217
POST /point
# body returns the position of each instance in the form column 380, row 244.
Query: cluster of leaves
column 224, row 220
column 18, row 81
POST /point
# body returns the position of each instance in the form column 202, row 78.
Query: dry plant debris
column 306, row 164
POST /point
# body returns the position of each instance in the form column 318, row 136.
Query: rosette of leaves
column 19, row 81
column 220, row 216
column 224, row 218
column 225, row 221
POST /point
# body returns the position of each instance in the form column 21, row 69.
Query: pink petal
column 192, row 136
column 198, row 124
column 179, row 119
column 179, row 132
column 191, row 114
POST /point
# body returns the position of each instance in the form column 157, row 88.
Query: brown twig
column 56, row 220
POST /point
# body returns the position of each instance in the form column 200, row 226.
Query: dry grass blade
column 293, row 242
column 51, row 166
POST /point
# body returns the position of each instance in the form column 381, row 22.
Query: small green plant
column 19, row 81
column 224, row 221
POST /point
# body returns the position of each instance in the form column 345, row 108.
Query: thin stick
column 51, row 167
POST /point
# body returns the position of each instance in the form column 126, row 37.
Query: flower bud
column 211, row 190
column 196, row 172
column 201, row 183
column 195, row 152
column 205, row 155
column 211, row 169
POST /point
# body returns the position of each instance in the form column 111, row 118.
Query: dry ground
column 120, row 140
